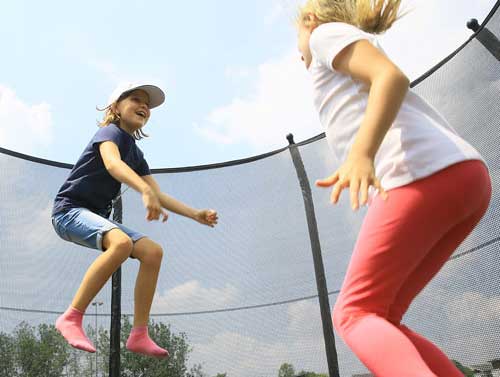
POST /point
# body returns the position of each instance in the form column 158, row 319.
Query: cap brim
column 155, row 94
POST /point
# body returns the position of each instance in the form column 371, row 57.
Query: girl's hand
column 153, row 206
column 207, row 217
column 357, row 173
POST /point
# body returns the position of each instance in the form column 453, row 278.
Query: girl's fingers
column 380, row 189
column 165, row 216
column 337, row 189
column 152, row 213
column 327, row 182
column 211, row 218
column 354, row 191
column 156, row 214
column 358, row 189
column 364, row 191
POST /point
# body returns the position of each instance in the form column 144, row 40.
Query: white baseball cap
column 156, row 95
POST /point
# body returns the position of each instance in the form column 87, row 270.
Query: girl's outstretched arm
column 205, row 216
column 388, row 87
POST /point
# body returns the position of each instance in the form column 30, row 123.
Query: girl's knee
column 344, row 316
column 119, row 244
column 338, row 318
column 125, row 245
column 153, row 255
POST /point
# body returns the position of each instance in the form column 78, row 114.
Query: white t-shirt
column 419, row 143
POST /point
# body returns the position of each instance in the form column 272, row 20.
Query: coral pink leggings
column 403, row 243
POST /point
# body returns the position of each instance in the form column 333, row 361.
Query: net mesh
column 243, row 295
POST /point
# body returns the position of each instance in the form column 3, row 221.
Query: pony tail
column 371, row 16
column 376, row 16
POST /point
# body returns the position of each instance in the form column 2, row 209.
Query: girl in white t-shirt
column 427, row 187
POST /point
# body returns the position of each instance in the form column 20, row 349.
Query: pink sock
column 69, row 325
column 140, row 342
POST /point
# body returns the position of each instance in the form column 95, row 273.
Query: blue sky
column 235, row 85
column 235, row 88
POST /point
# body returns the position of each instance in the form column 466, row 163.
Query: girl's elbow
column 108, row 164
column 401, row 78
column 399, row 82
column 406, row 81
column 111, row 167
column 392, row 77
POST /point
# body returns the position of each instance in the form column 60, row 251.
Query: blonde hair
column 111, row 117
column 371, row 16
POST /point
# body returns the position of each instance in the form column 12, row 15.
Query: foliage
column 41, row 351
column 466, row 371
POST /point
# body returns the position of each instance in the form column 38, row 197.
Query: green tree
column 77, row 364
column 53, row 350
column 42, row 351
column 7, row 356
column 466, row 371
column 134, row 365
column 286, row 370
column 196, row 371
column 39, row 352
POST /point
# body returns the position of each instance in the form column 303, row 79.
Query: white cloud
column 462, row 323
column 262, row 354
column 282, row 8
column 239, row 355
column 281, row 103
column 472, row 308
column 23, row 127
column 15, row 210
column 213, row 135
column 107, row 68
column 464, row 332
column 181, row 298
column 428, row 33
column 472, row 323
column 81, row 48
column 117, row 75
column 300, row 319
column 40, row 227
column 20, row 211
column 281, row 99
column 275, row 12
column 237, row 73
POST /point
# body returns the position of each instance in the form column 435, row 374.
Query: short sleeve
column 143, row 167
column 108, row 133
column 329, row 39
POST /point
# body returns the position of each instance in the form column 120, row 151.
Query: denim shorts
column 86, row 228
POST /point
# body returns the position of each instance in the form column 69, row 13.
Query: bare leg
column 150, row 255
column 118, row 247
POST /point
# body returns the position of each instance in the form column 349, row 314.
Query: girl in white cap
column 433, row 189
column 83, row 205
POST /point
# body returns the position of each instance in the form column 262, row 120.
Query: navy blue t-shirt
column 89, row 184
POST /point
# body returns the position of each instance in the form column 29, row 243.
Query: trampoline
column 253, row 296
